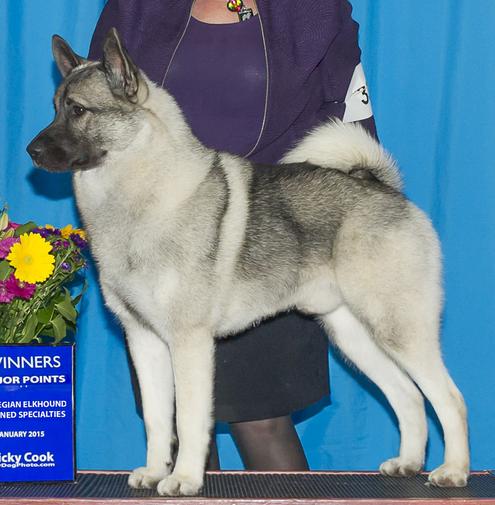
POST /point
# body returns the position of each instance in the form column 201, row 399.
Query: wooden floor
column 246, row 488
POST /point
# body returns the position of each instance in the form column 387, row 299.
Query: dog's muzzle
column 35, row 150
column 54, row 154
column 48, row 154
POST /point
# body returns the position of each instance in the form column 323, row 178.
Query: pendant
column 238, row 6
column 245, row 13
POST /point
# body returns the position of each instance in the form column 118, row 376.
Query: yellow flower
column 31, row 258
column 67, row 231
column 80, row 232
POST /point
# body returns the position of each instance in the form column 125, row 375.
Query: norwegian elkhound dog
column 194, row 244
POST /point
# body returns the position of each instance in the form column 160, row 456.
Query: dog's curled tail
column 347, row 147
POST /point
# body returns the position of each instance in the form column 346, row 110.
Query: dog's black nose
column 35, row 150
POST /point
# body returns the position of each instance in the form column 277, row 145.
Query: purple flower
column 66, row 266
column 43, row 232
column 19, row 289
column 79, row 260
column 79, row 241
column 5, row 295
column 59, row 244
column 6, row 244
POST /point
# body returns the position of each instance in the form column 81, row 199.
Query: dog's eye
column 77, row 110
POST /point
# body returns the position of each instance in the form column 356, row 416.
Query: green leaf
column 5, row 269
column 25, row 228
column 77, row 299
column 66, row 309
column 59, row 328
column 60, row 297
column 47, row 332
column 71, row 327
column 29, row 329
column 45, row 315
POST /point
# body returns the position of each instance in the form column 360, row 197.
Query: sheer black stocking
column 269, row 444
column 213, row 462
column 265, row 445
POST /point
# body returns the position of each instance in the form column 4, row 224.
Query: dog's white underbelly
column 242, row 314
column 247, row 305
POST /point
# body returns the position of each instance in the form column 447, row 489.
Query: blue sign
column 36, row 413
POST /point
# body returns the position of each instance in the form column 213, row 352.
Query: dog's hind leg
column 403, row 311
column 398, row 294
column 423, row 362
column 193, row 364
column 354, row 340
column 400, row 298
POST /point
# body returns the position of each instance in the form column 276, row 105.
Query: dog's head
column 97, row 108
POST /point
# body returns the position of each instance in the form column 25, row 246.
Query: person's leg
column 269, row 444
column 213, row 461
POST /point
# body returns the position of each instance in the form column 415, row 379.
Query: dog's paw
column 179, row 485
column 448, row 476
column 147, row 478
column 397, row 467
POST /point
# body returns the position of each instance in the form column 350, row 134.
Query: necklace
column 238, row 6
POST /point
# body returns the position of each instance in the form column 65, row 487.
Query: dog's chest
column 147, row 286
column 141, row 263
column 135, row 254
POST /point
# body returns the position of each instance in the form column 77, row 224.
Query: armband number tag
column 357, row 100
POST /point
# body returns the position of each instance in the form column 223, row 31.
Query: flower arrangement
column 37, row 264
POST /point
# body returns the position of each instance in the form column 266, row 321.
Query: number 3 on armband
column 364, row 93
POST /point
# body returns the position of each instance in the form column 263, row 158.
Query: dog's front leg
column 193, row 365
column 151, row 358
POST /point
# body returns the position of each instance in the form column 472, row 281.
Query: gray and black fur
column 193, row 244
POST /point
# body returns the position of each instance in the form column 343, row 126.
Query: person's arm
column 106, row 21
column 343, row 75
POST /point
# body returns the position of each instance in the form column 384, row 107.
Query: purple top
column 311, row 50
column 218, row 77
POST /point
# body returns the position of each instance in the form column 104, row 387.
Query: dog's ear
column 65, row 57
column 122, row 75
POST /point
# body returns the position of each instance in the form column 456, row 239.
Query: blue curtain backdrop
column 430, row 68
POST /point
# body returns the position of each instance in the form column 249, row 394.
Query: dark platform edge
column 236, row 487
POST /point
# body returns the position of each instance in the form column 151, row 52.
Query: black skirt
column 272, row 370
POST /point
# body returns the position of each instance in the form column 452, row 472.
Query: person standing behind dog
column 252, row 78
